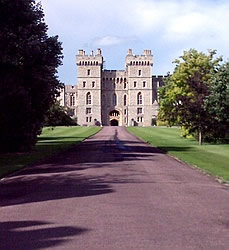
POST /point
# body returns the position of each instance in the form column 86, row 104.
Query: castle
column 113, row 97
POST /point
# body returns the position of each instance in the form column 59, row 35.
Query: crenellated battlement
column 84, row 59
column 139, row 60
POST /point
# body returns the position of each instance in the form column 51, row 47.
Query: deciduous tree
column 182, row 97
column 28, row 65
column 217, row 103
column 57, row 116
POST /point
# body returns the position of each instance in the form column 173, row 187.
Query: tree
column 28, row 65
column 57, row 116
column 217, row 102
column 182, row 97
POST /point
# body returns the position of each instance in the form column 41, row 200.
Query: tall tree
column 28, row 65
column 217, row 102
column 182, row 97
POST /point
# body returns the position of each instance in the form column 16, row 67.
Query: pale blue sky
column 166, row 27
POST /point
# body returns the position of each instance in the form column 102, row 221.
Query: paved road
column 113, row 192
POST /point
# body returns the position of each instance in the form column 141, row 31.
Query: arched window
column 139, row 98
column 114, row 99
column 124, row 100
column 88, row 98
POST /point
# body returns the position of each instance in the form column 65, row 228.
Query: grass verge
column 51, row 141
column 212, row 158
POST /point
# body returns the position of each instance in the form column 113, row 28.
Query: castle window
column 125, row 111
column 139, row 111
column 139, row 98
column 131, row 63
column 88, row 72
column 114, row 85
column 139, row 72
column 90, row 119
column 88, row 110
column 117, row 80
column 124, row 85
column 135, row 84
column 72, row 100
column 136, row 63
column 124, row 100
column 84, row 84
column 144, row 84
column 114, row 99
column 96, row 63
column 148, row 63
column 80, row 63
column 85, row 63
column 93, row 84
column 88, row 98
column 86, row 119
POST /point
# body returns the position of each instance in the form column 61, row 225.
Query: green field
column 51, row 141
column 213, row 159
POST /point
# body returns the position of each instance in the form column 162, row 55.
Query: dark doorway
column 114, row 122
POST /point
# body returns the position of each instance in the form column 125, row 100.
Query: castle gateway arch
column 114, row 118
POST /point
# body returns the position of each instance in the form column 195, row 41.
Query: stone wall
column 128, row 97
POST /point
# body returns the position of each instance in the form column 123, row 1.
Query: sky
column 167, row 27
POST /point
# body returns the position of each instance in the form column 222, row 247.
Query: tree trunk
column 200, row 138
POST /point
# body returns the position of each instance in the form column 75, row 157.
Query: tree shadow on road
column 23, row 188
column 63, row 176
column 33, row 235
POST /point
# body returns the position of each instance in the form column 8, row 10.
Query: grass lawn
column 211, row 158
column 51, row 141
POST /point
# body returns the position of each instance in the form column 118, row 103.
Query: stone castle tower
column 114, row 97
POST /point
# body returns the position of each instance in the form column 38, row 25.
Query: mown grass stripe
column 212, row 158
column 51, row 141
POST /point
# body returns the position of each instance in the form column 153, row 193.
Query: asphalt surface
column 113, row 192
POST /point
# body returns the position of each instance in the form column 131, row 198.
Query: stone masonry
column 113, row 97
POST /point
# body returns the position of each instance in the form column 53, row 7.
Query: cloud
column 168, row 27
column 111, row 40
